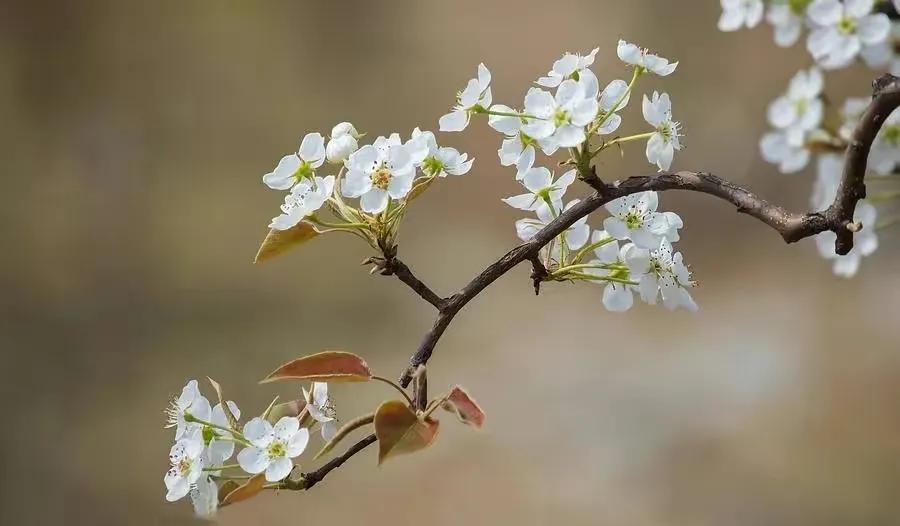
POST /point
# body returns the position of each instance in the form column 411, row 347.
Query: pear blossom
column 787, row 20
column 303, row 200
column 884, row 155
column 205, row 498
column 343, row 142
column 220, row 447
column 570, row 66
column 516, row 141
column 542, row 190
column 560, row 119
column 842, row 29
column 851, row 113
column 187, row 462
column 778, row 148
column 272, row 447
column 660, row 272
column 295, row 167
column 737, row 13
column 321, row 408
column 634, row 217
column 865, row 242
column 614, row 98
column 476, row 96
column 801, row 109
column 665, row 141
column 617, row 297
column 829, row 170
column 378, row 172
column 189, row 402
column 576, row 235
column 642, row 58
column 438, row 161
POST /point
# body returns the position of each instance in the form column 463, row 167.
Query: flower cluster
column 205, row 439
column 567, row 111
column 840, row 34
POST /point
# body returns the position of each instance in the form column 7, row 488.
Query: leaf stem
column 395, row 386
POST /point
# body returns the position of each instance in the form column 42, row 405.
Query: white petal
column 278, row 469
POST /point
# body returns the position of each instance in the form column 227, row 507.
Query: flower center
column 276, row 449
column 303, row 171
column 634, row 220
column 560, row 117
column 381, row 178
column 798, row 7
column 892, row 135
column 847, row 25
column 433, row 165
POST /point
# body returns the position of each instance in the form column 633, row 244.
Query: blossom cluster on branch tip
column 804, row 122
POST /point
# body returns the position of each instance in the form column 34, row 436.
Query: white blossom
column 189, row 402
column 570, row 66
column 665, row 141
column 576, row 235
column 800, row 110
column 220, row 445
column 440, row 161
column 738, row 13
column 560, row 119
column 343, row 142
column 777, row 148
column 542, row 190
column 842, row 29
column 642, row 58
column 295, row 167
column 516, row 141
column 378, row 172
column 787, row 20
column 659, row 272
column 614, row 98
column 477, row 94
column 205, row 498
column 634, row 217
column 321, row 408
column 187, row 463
column 829, row 169
column 865, row 242
column 303, row 200
column 272, row 447
column 617, row 296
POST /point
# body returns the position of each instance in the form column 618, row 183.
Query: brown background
column 134, row 137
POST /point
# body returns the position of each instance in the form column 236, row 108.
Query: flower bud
column 340, row 147
column 344, row 128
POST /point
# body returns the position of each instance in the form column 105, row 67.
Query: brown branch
column 312, row 478
column 389, row 265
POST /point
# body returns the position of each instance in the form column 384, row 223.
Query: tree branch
column 314, row 477
column 389, row 265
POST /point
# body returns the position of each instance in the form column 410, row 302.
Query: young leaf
column 399, row 430
column 465, row 407
column 279, row 411
column 226, row 487
column 232, row 420
column 249, row 489
column 347, row 428
column 331, row 366
column 279, row 241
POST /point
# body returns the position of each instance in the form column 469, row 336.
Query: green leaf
column 400, row 431
column 330, row 366
column 345, row 430
column 232, row 420
column 466, row 408
column 280, row 241
column 247, row 490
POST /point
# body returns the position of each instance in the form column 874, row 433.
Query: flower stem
column 581, row 253
column 511, row 114
column 637, row 73
column 220, row 468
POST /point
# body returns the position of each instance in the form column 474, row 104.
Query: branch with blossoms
column 568, row 115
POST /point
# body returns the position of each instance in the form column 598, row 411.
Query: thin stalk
column 395, row 386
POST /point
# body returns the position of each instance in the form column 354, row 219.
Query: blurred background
column 134, row 138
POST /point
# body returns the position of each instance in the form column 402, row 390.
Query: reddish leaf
column 279, row 241
column 399, row 430
column 465, row 407
column 331, row 366
column 248, row 490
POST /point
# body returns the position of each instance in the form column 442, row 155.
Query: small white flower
column 642, row 58
column 304, row 199
column 665, row 141
column 321, row 408
column 842, row 29
column 634, row 217
column 439, row 161
column 865, row 242
column 883, row 56
column 295, row 167
column 189, row 402
column 205, row 498
column 517, row 142
column 801, row 109
column 186, row 460
column 220, row 447
column 343, row 142
column 738, row 13
column 659, row 272
column 851, row 113
column 570, row 66
column 539, row 182
column 378, row 172
column 777, row 148
column 830, row 167
column 787, row 20
column 561, row 119
column 617, row 297
column 884, row 155
column 614, row 98
column 476, row 95
column 576, row 235
column 272, row 447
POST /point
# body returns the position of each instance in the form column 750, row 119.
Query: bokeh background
column 134, row 137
